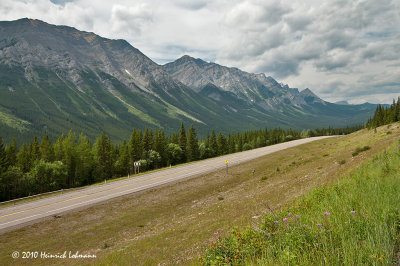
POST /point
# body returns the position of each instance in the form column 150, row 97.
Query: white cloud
column 339, row 49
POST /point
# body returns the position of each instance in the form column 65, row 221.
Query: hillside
column 57, row 78
column 174, row 223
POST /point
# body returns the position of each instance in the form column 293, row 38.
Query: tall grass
column 356, row 221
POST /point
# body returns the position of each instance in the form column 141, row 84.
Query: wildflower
column 284, row 219
column 289, row 214
column 276, row 221
column 327, row 213
column 320, row 225
column 353, row 212
column 380, row 258
column 297, row 216
column 309, row 227
column 216, row 233
column 373, row 256
column 317, row 244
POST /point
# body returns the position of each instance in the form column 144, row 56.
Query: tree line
column 385, row 115
column 73, row 161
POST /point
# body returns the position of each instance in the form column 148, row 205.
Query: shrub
column 358, row 150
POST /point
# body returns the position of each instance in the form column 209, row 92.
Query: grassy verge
column 172, row 224
column 354, row 222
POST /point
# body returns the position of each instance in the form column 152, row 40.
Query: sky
column 340, row 49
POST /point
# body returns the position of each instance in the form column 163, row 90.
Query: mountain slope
column 57, row 78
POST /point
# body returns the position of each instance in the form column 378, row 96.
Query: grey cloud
column 61, row 2
column 191, row 5
column 131, row 19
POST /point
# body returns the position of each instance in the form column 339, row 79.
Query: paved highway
column 21, row 214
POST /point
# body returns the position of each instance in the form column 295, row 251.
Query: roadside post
column 226, row 161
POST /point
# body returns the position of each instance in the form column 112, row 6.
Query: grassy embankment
column 354, row 222
column 173, row 223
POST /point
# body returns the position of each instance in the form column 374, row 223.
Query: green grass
column 354, row 222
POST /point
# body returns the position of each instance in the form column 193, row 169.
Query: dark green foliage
column 3, row 158
column 182, row 141
column 384, row 116
column 46, row 149
column 192, row 146
column 11, row 153
column 102, row 156
column 358, row 150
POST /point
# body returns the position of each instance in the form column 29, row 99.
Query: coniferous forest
column 73, row 160
column 384, row 116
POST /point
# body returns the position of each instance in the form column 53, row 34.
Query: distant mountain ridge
column 253, row 88
column 56, row 78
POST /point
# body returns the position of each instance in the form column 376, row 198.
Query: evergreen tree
column 123, row 163
column 84, row 161
column 182, row 141
column 221, row 144
column 23, row 159
column 192, row 147
column 12, row 152
column 160, row 143
column 58, row 149
column 102, row 153
column 147, row 140
column 213, row 143
column 135, row 147
column 33, row 149
column 3, row 158
column 46, row 149
column 69, row 157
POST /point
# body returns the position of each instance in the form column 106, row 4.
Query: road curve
column 18, row 215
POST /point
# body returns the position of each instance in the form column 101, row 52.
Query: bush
column 358, row 150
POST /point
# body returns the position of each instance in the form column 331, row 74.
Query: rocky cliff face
column 256, row 89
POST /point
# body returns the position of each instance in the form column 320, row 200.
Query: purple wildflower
column 284, row 219
column 289, row 214
column 309, row 227
column 353, row 212
column 327, row 213
column 320, row 225
column 216, row 233
column 276, row 221
column 297, row 216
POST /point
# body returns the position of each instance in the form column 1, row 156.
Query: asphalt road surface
column 21, row 214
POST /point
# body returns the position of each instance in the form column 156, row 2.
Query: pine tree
column 160, row 143
column 3, row 158
column 12, row 152
column 69, row 157
column 135, row 147
column 84, row 161
column 147, row 140
column 182, row 141
column 46, row 149
column 213, row 143
column 221, row 144
column 192, row 147
column 102, row 153
column 23, row 159
column 33, row 149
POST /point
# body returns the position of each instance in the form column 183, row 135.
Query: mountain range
column 57, row 78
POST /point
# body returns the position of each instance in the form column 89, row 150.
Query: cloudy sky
column 340, row 49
